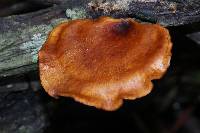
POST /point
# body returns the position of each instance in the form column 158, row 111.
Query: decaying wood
column 166, row 12
column 21, row 36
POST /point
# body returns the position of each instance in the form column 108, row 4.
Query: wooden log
column 165, row 12
column 22, row 36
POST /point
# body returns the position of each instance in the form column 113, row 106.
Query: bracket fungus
column 100, row 62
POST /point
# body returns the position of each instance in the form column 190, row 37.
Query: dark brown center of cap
column 122, row 27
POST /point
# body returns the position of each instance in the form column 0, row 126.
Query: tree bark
column 21, row 36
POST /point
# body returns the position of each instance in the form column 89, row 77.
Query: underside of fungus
column 100, row 62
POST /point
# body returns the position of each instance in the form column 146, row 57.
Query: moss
column 20, row 47
column 55, row 22
column 38, row 38
column 34, row 45
column 76, row 13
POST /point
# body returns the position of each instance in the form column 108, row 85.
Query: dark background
column 172, row 107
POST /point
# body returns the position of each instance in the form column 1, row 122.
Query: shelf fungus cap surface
column 103, row 61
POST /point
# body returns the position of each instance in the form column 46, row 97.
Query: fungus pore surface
column 100, row 62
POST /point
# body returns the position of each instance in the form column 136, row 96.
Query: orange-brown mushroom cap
column 103, row 61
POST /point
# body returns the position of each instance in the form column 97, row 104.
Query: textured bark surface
column 21, row 36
